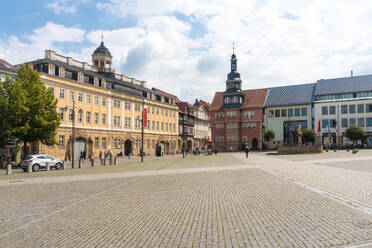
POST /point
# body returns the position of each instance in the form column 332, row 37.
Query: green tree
column 269, row 135
column 30, row 109
column 308, row 135
column 354, row 133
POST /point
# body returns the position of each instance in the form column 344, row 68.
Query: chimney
column 351, row 73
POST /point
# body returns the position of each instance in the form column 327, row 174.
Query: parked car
column 38, row 161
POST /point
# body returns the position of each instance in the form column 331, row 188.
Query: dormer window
column 51, row 69
column 80, row 78
column 61, row 72
column 96, row 81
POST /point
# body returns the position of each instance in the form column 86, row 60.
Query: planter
column 300, row 149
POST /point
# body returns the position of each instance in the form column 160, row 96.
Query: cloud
column 64, row 6
column 47, row 37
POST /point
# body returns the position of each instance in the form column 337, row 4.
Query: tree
column 354, row 133
column 29, row 108
column 269, row 135
column 308, row 135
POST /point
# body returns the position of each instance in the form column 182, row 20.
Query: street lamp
column 142, row 127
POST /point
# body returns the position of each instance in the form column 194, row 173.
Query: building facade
column 203, row 131
column 7, row 70
column 236, row 115
column 103, row 111
column 286, row 108
column 339, row 103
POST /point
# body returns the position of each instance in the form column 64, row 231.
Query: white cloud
column 64, row 6
column 277, row 42
column 47, row 37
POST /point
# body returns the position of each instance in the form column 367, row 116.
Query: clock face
column 231, row 85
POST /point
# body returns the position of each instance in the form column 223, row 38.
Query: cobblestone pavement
column 217, row 206
column 346, row 175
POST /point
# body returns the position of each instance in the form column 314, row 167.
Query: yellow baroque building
column 105, row 109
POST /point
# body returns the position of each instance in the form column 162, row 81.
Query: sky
column 184, row 47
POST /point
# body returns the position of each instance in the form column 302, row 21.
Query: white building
column 203, row 130
column 7, row 69
column 339, row 103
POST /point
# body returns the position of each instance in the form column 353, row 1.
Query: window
column 96, row 142
column 219, row 115
column 61, row 113
column 103, row 101
column 297, row 112
column 61, row 141
column 96, row 100
column 71, row 115
column 303, row 111
column 96, row 81
column 148, row 144
column 116, row 103
column 72, row 95
column 166, row 112
column 332, row 123
column 332, row 110
column 87, row 117
column 351, row 109
column 80, row 77
column 148, row 124
column 324, row 123
column 343, row 109
column 220, row 126
column 157, row 125
column 369, row 122
column 152, row 110
column 96, row 117
column 162, row 126
column 352, row 121
column 220, row 138
column 360, row 108
column 290, row 112
column 157, row 111
column 344, row 123
column 153, row 125
column 80, row 116
column 127, row 122
column 127, row 105
column 103, row 119
column 325, row 110
column 137, row 107
column 153, row 144
column 51, row 69
column 61, row 72
column 233, row 125
column 89, row 99
column 62, row 93
column 361, row 122
column 368, row 108
column 284, row 112
column 80, row 97
column 162, row 111
column 174, row 127
column 103, row 142
column 116, row 120
column 231, row 114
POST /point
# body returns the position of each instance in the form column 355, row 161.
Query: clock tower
column 233, row 97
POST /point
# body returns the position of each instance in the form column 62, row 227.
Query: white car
column 39, row 161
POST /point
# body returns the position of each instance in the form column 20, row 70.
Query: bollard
column 29, row 168
column 92, row 160
column 63, row 165
column 47, row 165
column 9, row 169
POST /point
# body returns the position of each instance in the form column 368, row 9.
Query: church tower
column 102, row 60
column 233, row 97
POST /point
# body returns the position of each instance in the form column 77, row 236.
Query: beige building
column 108, row 109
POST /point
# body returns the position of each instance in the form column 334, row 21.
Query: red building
column 236, row 115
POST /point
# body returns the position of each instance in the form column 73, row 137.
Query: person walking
column 100, row 157
column 246, row 151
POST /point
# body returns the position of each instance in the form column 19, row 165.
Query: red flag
column 145, row 117
column 319, row 126
column 336, row 126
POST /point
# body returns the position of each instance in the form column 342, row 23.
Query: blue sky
column 184, row 47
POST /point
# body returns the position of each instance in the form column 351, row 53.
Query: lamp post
column 183, row 136
column 142, row 128
column 73, row 133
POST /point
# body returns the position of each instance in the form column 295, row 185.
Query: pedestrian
column 100, row 157
column 246, row 151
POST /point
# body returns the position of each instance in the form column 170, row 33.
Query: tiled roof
column 343, row 85
column 252, row 99
column 176, row 99
column 182, row 107
column 290, row 95
column 6, row 66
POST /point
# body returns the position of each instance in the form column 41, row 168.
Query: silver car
column 39, row 161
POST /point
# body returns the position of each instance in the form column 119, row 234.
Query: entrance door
column 79, row 146
column 255, row 144
column 127, row 147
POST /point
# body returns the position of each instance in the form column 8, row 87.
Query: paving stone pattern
column 241, row 208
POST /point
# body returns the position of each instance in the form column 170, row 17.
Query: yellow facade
column 107, row 120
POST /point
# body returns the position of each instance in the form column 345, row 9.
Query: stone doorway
column 127, row 147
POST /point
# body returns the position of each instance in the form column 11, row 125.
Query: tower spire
column 102, row 37
column 233, row 46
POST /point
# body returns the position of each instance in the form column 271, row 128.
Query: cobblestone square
column 201, row 201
